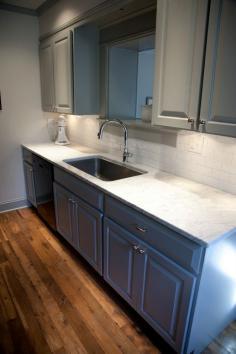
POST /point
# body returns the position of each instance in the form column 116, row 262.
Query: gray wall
column 21, row 119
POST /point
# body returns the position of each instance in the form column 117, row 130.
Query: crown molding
column 45, row 6
column 18, row 9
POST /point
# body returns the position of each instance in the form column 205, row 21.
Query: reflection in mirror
column 130, row 78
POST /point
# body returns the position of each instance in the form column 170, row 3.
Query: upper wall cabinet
column 69, row 67
column 180, row 38
column 46, row 75
column 86, row 70
column 56, row 73
column 218, row 109
column 63, row 80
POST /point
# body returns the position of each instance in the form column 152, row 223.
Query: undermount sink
column 103, row 168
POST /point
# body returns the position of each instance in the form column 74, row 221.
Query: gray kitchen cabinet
column 119, row 261
column 88, row 233
column 218, row 107
column 86, row 69
column 69, row 69
column 180, row 38
column 63, row 76
column 165, row 297
column 159, row 289
column 80, row 225
column 122, row 82
column 46, row 75
column 29, row 182
column 56, row 72
column 63, row 201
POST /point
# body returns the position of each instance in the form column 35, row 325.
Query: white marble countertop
column 197, row 211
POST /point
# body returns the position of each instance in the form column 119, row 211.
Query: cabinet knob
column 202, row 122
column 135, row 247
column 141, row 229
column 141, row 251
column 190, row 120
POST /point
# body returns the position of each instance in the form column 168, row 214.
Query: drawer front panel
column 81, row 189
column 182, row 250
column 28, row 156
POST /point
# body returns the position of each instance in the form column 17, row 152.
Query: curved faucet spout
column 126, row 154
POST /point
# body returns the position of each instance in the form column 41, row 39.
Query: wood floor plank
column 36, row 301
column 5, row 298
column 6, row 341
column 53, row 318
column 60, row 301
column 20, row 296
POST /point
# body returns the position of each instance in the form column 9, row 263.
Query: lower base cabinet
column 88, row 233
column 80, row 225
column 120, row 261
column 159, row 289
column 64, row 212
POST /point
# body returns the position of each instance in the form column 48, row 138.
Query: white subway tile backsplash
column 204, row 158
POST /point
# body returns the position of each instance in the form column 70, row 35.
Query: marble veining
column 195, row 210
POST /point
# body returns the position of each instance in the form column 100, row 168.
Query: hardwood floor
column 51, row 301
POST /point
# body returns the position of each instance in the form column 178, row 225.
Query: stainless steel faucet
column 126, row 154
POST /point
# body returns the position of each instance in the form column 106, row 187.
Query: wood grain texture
column 51, row 301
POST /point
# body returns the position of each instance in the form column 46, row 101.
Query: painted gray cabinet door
column 64, row 212
column 218, row 110
column 119, row 261
column 46, row 75
column 29, row 183
column 87, row 238
column 165, row 296
column 63, row 76
column 86, row 69
column 122, row 82
column 180, row 38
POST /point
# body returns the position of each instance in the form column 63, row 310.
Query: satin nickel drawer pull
column 141, row 229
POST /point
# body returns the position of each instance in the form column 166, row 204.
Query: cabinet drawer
column 81, row 189
column 180, row 249
column 28, row 156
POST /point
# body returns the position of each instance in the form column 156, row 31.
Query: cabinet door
column 46, row 75
column 62, row 54
column 64, row 211
column 218, row 110
column 180, row 38
column 165, row 296
column 87, row 237
column 122, row 82
column 29, row 183
column 86, row 69
column 120, row 261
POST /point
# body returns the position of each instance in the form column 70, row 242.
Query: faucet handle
column 126, row 154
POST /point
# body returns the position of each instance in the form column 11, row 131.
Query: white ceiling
column 29, row 4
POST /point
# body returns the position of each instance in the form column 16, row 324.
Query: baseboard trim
column 13, row 205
